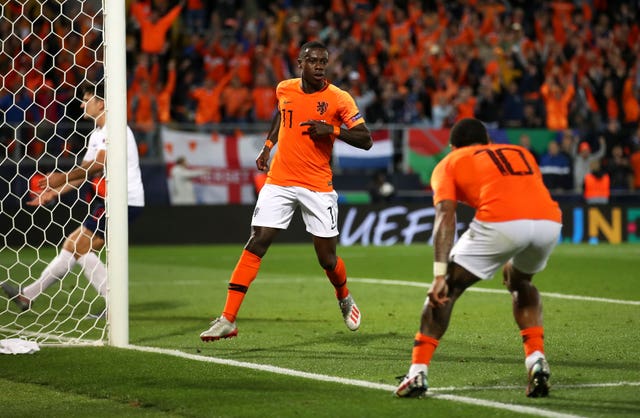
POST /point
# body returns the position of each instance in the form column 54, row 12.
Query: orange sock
column 246, row 270
column 423, row 348
column 533, row 339
column 338, row 278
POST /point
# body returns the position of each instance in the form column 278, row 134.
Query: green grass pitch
column 291, row 322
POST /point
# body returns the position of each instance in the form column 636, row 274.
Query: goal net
column 48, row 51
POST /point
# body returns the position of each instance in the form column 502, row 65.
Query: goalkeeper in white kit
column 83, row 244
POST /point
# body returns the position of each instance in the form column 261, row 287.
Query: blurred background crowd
column 566, row 66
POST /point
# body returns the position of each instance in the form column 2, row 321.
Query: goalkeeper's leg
column 80, row 241
column 56, row 270
column 95, row 271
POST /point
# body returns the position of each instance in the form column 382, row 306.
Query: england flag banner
column 224, row 163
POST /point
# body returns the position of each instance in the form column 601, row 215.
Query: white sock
column 532, row 358
column 56, row 270
column 417, row 368
column 95, row 271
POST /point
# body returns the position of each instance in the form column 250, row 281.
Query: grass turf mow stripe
column 379, row 386
column 353, row 382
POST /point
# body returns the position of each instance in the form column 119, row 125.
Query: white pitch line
column 420, row 285
column 372, row 385
column 509, row 407
column 352, row 382
column 512, row 387
column 484, row 290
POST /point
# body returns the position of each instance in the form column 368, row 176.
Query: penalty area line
column 352, row 382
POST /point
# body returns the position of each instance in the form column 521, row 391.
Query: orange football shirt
column 502, row 182
column 299, row 160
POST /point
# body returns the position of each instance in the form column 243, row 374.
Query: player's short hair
column 94, row 89
column 311, row 45
column 467, row 132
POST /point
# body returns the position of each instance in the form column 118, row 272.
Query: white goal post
column 116, row 202
column 32, row 236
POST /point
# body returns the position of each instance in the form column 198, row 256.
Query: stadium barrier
column 385, row 224
column 379, row 225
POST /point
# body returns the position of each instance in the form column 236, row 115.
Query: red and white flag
column 229, row 161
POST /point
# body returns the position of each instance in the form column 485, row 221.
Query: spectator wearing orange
column 241, row 61
column 236, row 101
column 401, row 64
column 144, row 111
column 164, row 93
column 610, row 106
column 556, row 100
column 491, row 10
column 214, row 59
column 400, row 30
column 207, row 99
column 154, row 28
column 140, row 10
column 596, row 185
column 465, row 104
column 428, row 32
column 561, row 19
column 146, row 69
column 630, row 104
column 263, row 97
column 467, row 32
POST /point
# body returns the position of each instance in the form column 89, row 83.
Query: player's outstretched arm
column 51, row 194
column 82, row 172
column 358, row 136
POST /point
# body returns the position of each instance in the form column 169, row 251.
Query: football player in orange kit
column 516, row 226
column 311, row 114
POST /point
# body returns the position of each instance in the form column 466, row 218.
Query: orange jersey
column 502, row 182
column 299, row 160
column 557, row 107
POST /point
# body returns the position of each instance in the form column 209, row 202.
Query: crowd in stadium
column 559, row 65
column 554, row 65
